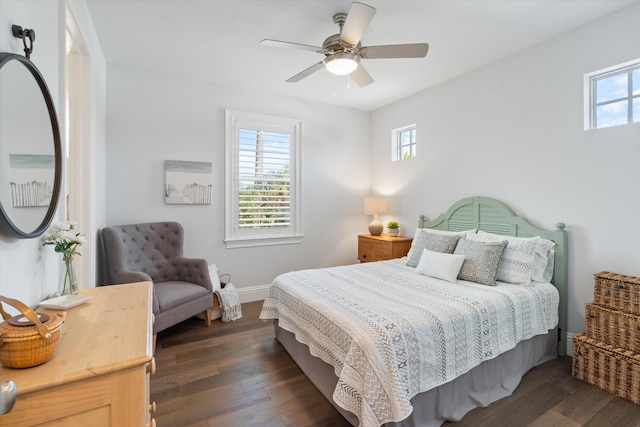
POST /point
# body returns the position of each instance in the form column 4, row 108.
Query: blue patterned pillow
column 481, row 260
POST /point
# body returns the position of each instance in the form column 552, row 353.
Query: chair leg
column 207, row 318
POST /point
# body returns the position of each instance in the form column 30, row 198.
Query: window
column 403, row 143
column 614, row 96
column 262, row 180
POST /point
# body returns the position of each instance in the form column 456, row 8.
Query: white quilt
column 391, row 333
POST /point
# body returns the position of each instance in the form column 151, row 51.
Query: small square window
column 614, row 96
column 403, row 143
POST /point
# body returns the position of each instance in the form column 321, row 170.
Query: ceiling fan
column 343, row 52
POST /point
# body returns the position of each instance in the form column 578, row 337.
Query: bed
column 388, row 346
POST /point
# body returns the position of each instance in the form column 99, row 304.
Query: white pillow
column 543, row 258
column 543, row 261
column 440, row 265
column 516, row 262
column 215, row 279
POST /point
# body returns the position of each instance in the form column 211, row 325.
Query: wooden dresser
column 383, row 247
column 99, row 375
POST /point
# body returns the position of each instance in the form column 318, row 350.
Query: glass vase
column 68, row 283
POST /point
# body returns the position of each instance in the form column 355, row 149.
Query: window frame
column 397, row 146
column 235, row 237
column 591, row 104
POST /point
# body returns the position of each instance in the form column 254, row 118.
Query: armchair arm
column 193, row 270
column 129, row 276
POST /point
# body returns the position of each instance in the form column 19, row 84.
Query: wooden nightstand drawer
column 380, row 248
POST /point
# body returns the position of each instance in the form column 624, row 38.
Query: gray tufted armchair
column 153, row 252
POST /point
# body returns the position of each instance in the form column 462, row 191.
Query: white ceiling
column 219, row 40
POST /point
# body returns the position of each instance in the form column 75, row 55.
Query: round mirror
column 30, row 150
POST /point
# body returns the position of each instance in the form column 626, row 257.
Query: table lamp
column 375, row 206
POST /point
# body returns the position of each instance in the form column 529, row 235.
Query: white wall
column 513, row 130
column 28, row 271
column 154, row 117
column 85, row 171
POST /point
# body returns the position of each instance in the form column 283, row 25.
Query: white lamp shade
column 375, row 205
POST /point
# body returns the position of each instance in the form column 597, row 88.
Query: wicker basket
column 614, row 327
column 607, row 367
column 25, row 340
column 617, row 292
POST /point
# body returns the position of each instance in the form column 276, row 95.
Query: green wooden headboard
column 493, row 216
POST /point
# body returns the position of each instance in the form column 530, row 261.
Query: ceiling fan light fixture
column 342, row 63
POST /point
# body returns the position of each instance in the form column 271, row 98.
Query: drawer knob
column 8, row 395
column 152, row 423
column 152, row 407
column 151, row 366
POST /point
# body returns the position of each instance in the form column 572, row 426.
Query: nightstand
column 383, row 247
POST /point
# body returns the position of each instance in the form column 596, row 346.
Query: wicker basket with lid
column 617, row 291
column 29, row 339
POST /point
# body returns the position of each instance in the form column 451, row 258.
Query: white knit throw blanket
column 229, row 303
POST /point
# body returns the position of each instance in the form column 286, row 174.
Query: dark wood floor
column 236, row 374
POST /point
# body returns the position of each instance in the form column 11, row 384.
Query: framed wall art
column 187, row 183
column 32, row 177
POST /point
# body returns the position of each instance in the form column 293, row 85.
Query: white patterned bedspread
column 391, row 333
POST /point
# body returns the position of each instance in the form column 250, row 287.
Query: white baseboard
column 569, row 343
column 253, row 293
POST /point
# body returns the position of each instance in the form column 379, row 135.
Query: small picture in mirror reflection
column 31, row 179
column 187, row 183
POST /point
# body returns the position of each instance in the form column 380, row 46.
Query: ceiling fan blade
column 358, row 19
column 301, row 75
column 290, row 45
column 415, row 50
column 361, row 76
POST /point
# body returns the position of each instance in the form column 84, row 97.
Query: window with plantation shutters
column 264, row 181
column 262, row 188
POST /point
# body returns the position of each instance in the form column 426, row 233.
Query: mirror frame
column 6, row 224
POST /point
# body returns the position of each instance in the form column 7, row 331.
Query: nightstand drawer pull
column 151, row 366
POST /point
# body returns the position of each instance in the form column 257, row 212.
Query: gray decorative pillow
column 481, row 260
column 420, row 231
column 517, row 261
column 444, row 243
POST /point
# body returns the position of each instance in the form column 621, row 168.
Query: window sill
column 263, row 241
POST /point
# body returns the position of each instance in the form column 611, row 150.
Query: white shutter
column 262, row 180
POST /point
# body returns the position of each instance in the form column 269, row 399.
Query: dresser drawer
column 380, row 248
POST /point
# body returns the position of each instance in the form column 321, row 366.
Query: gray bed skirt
column 482, row 385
